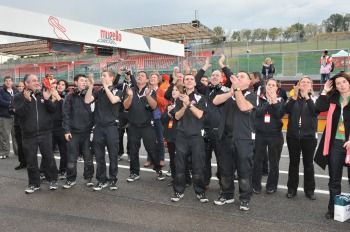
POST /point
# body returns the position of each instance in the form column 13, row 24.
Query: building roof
column 175, row 32
column 25, row 48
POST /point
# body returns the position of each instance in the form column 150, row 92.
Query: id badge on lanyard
column 341, row 127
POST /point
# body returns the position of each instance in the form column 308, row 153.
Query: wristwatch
column 237, row 89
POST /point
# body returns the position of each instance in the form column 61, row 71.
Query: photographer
column 77, row 124
column 106, row 118
column 140, row 102
column 35, row 111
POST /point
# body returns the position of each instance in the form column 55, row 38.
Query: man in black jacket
column 6, row 119
column 35, row 111
column 77, row 124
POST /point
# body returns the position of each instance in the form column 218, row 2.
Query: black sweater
column 77, row 115
column 306, row 111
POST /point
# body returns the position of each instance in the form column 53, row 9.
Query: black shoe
column 113, row 185
column 291, row 194
column 256, row 191
column 224, row 200
column 62, row 175
column 271, row 191
column 20, row 166
column 69, row 184
column 311, row 196
column 31, row 189
column 329, row 215
column 160, row 175
column 244, row 206
column 202, row 197
column 99, row 186
column 53, row 185
column 132, row 178
column 89, row 182
column 177, row 196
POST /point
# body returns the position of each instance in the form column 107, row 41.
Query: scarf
column 328, row 134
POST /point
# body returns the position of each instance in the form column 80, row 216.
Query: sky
column 231, row 15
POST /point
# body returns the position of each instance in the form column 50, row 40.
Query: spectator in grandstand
column 58, row 131
column 281, row 92
column 189, row 111
column 268, row 124
column 334, row 147
column 7, row 93
column 194, row 72
column 326, row 66
column 239, row 150
column 301, row 137
column 18, row 134
column 77, row 125
column 268, row 69
column 106, row 118
column 35, row 110
column 140, row 102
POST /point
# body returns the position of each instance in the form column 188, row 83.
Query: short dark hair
column 245, row 73
column 76, row 77
column 109, row 71
column 257, row 75
column 142, row 72
column 64, row 81
column 7, row 78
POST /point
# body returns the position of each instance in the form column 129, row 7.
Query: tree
column 287, row 34
column 298, row 31
column 263, row 35
column 218, row 35
column 256, row 34
column 246, row 34
column 274, row 33
column 346, row 22
column 236, row 36
column 311, row 30
column 334, row 23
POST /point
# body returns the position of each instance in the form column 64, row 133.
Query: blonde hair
column 268, row 59
column 309, row 78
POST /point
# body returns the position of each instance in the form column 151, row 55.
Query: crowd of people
column 238, row 117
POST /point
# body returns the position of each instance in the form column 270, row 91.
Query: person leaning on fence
column 268, row 69
column 334, row 148
column 301, row 137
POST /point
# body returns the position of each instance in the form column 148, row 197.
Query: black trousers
column 30, row 149
column 123, row 123
column 189, row 146
column 79, row 144
column 18, row 136
column 102, row 137
column 336, row 161
column 212, row 143
column 148, row 136
column 237, row 154
column 59, row 140
column 274, row 146
column 307, row 147
column 172, row 154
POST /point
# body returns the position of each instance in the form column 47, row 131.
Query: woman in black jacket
column 268, row 123
column 334, row 148
column 268, row 69
column 301, row 137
